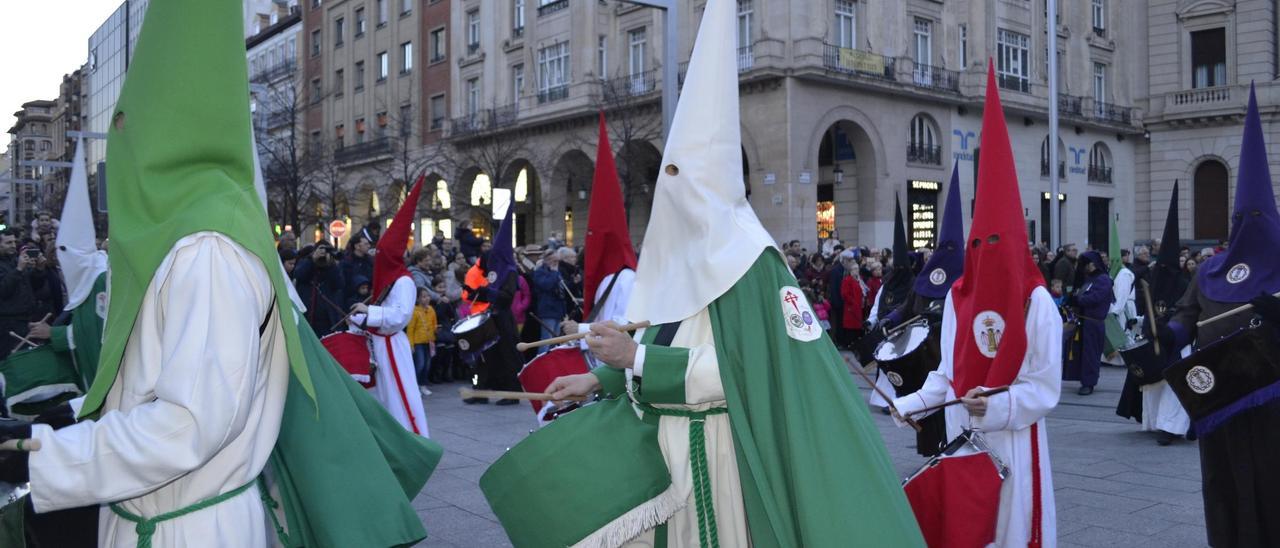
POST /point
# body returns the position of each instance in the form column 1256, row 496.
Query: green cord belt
column 707, row 534
column 146, row 528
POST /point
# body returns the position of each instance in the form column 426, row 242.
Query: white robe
column 194, row 412
column 397, row 381
column 1006, row 426
column 882, row 381
column 703, row 390
column 1161, row 409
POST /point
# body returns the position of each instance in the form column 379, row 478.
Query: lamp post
column 1055, row 217
column 670, row 56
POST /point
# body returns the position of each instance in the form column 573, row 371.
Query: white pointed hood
column 702, row 235
column 78, row 253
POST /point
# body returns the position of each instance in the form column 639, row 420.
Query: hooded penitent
column 78, row 256
column 947, row 262
column 1094, row 258
column 180, row 161
column 702, row 231
column 1248, row 267
column 608, row 249
column 388, row 262
column 900, row 279
column 1165, row 272
column 1116, row 262
column 990, row 299
column 501, row 261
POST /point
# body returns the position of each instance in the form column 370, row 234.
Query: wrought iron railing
column 1070, row 105
column 928, row 76
column 360, row 152
column 631, row 85
column 858, row 62
column 1099, row 174
column 276, row 72
column 921, row 153
column 552, row 7
column 1062, row 169
column 553, row 94
column 1112, row 113
column 746, row 58
column 1014, row 83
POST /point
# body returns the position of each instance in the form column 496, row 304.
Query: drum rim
column 484, row 316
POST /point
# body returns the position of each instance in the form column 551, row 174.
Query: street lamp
column 670, row 62
column 839, row 175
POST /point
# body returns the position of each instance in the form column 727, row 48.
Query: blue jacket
column 548, row 298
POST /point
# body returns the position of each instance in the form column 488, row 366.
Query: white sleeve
column 1123, row 287
column 616, row 307
column 397, row 309
column 211, row 303
column 874, row 316
column 1035, row 391
column 938, row 384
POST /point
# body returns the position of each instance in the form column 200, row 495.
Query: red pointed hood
column 990, row 299
column 608, row 247
column 388, row 263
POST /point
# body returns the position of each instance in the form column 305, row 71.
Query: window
column 635, row 55
column 317, row 92
column 406, row 121
column 406, row 6
column 315, row 42
column 360, row 22
column 316, row 145
column 923, row 144
column 964, row 46
column 517, row 18
column 473, row 31
column 359, row 83
column 339, row 132
column 315, row 4
column 1099, row 164
column 437, row 45
column 746, row 10
column 339, row 82
column 437, row 112
column 1100, row 86
column 382, row 13
column 406, row 57
column 473, row 96
column 382, row 66
column 846, row 24
column 1012, row 64
column 517, row 82
column 602, row 56
column 359, row 130
column 553, row 72
column 339, row 30
column 1209, row 58
column 1099, row 12
column 924, row 51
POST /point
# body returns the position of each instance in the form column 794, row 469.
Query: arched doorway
column 638, row 164
column 1211, row 201
column 521, row 177
column 571, row 182
column 473, row 201
column 846, row 181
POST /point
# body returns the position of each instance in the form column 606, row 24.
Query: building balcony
column 473, row 48
column 552, row 7
column 920, row 153
column 483, row 121
column 551, row 95
column 1111, row 113
column 1014, row 83
column 1070, row 105
column 275, row 73
column 857, row 62
column 517, row 33
column 932, row 77
column 1062, row 169
column 1099, row 174
column 1099, row 32
column 622, row 88
column 365, row 152
column 746, row 59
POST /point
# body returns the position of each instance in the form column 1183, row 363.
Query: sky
column 41, row 40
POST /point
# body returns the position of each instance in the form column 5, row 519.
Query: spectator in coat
column 550, row 303
column 522, row 301
column 321, row 286
column 835, row 298
column 357, row 263
column 469, row 244
column 16, row 301
column 852, row 297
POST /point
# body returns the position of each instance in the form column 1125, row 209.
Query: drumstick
column 1228, row 313
column 576, row 337
column 505, row 395
column 950, row 403
column 887, row 399
column 23, row 339
column 30, row 445
column 349, row 314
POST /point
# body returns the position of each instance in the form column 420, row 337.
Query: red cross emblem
column 791, row 299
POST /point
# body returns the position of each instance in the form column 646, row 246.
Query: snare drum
column 538, row 374
column 475, row 334
column 908, row 355
column 1143, row 363
column 956, row 495
column 351, row 350
column 37, row 380
column 1228, row 376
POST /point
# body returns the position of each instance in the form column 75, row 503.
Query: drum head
column 470, row 322
column 902, row 343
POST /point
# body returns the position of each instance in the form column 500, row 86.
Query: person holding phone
column 17, row 303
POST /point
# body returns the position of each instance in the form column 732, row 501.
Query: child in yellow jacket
column 422, row 336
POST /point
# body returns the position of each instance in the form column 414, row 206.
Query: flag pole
column 1055, row 215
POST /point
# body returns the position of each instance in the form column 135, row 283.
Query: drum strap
column 262, row 327
column 708, row 536
column 595, row 309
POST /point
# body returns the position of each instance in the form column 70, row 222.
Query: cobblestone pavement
column 1113, row 485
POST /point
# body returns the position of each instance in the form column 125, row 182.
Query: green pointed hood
column 180, row 161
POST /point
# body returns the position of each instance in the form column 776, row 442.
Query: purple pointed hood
column 947, row 262
column 1248, row 266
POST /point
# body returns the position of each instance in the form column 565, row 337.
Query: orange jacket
column 475, row 278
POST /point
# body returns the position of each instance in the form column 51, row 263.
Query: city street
column 1114, row 486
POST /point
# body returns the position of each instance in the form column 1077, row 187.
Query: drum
column 351, row 350
column 537, row 375
column 1231, row 375
column 537, row 488
column 475, row 333
column 956, row 495
column 908, row 355
column 1143, row 363
column 37, row 380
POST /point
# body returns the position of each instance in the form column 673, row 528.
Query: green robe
column 82, row 338
column 813, row 468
